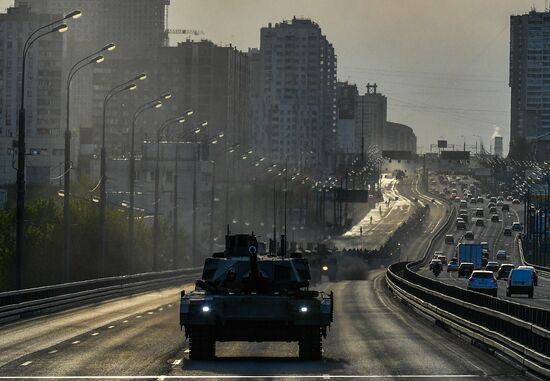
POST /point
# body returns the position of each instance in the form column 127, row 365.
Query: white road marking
column 186, row 351
column 26, row 363
column 149, row 313
column 110, row 327
column 125, row 321
column 251, row 377
column 161, row 309
column 95, row 333
column 53, row 351
column 76, row 342
column 169, row 305
column 176, row 362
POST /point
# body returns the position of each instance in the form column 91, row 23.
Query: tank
column 244, row 296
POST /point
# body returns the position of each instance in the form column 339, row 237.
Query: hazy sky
column 443, row 64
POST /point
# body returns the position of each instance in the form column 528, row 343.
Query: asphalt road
column 492, row 233
column 373, row 336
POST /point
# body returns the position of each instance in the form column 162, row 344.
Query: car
column 494, row 218
column 492, row 266
column 452, row 266
column 488, row 196
column 450, row 239
column 493, row 210
column 520, row 281
column 437, row 253
column 464, row 216
column 504, row 270
column 505, row 207
column 510, row 198
column 473, row 200
column 463, row 204
column 491, row 205
column 484, row 253
column 465, row 269
column 480, row 222
column 484, row 245
column 479, row 212
column 500, row 203
column 469, row 235
column 508, row 231
column 461, row 225
column 500, row 198
column 501, row 254
column 443, row 259
column 480, row 200
column 483, row 281
column 493, row 199
column 535, row 274
column 517, row 226
column 515, row 201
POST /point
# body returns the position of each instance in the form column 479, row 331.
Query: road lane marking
column 186, row 351
column 138, row 317
column 76, row 342
column 110, row 327
column 53, row 351
column 125, row 321
column 26, row 363
column 149, row 313
column 176, row 362
column 95, row 333
column 161, row 309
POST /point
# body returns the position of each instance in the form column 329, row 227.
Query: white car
column 501, row 254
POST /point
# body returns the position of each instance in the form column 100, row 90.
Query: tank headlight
column 205, row 309
column 303, row 309
column 325, row 268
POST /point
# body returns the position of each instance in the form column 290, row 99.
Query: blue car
column 452, row 266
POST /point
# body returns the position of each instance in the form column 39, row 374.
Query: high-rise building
column 399, row 137
column 346, row 95
column 298, row 71
column 370, row 119
column 530, row 80
column 42, row 97
column 499, row 151
column 137, row 27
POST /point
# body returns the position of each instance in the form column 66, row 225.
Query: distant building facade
column 298, row 71
column 346, row 95
column 399, row 137
column 42, row 97
column 498, row 144
column 370, row 118
column 529, row 79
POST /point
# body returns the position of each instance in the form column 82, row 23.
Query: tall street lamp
column 20, row 216
column 156, row 103
column 160, row 130
column 91, row 59
column 126, row 86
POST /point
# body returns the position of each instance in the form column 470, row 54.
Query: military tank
column 243, row 296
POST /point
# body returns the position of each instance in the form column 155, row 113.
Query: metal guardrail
column 541, row 269
column 40, row 300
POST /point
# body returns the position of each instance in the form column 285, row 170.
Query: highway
column 373, row 336
column 492, row 233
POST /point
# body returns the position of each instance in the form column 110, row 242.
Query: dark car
column 517, row 226
column 461, row 225
column 469, row 235
column 479, row 212
column 492, row 266
column 449, row 238
column 493, row 210
column 508, row 231
column 480, row 200
column 494, row 218
column 464, row 216
column 515, row 201
column 505, row 207
column 480, row 222
column 504, row 270
column 465, row 269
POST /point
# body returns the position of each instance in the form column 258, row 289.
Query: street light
column 156, row 103
column 125, row 86
column 160, row 130
column 20, row 185
column 94, row 58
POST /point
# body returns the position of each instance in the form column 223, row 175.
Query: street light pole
column 157, row 103
column 81, row 64
column 126, row 86
column 21, row 148
column 160, row 130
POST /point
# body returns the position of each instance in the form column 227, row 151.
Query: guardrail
column 520, row 331
column 542, row 270
column 35, row 301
